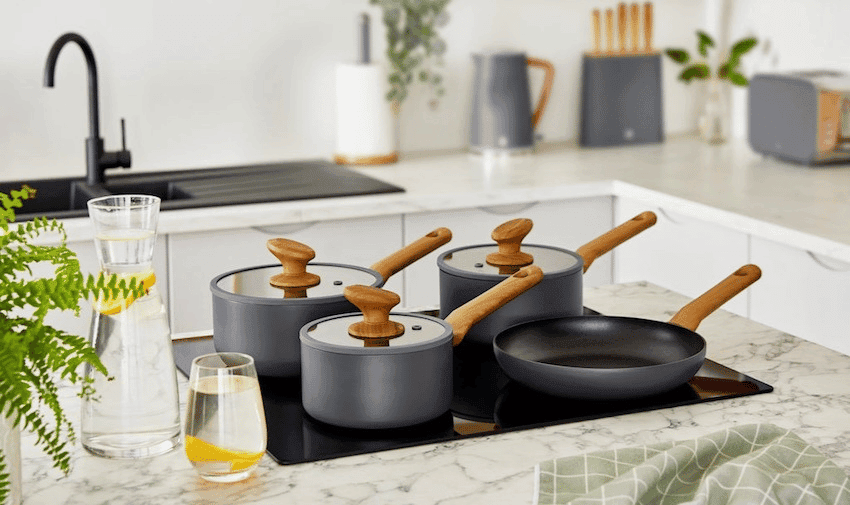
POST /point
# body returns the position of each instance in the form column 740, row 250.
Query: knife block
column 621, row 100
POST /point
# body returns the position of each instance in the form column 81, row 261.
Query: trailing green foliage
column 700, row 70
column 33, row 355
column 412, row 40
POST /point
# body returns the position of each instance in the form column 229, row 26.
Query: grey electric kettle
column 502, row 119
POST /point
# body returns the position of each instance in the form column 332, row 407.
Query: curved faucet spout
column 50, row 70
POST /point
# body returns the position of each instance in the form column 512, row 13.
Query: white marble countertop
column 729, row 184
column 811, row 397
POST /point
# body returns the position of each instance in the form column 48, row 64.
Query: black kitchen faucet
column 97, row 160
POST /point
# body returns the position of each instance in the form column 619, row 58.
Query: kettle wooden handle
column 467, row 315
column 693, row 313
column 548, row 80
column 375, row 329
column 609, row 240
column 509, row 236
column 293, row 256
column 416, row 250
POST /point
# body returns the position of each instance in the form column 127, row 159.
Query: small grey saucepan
column 260, row 310
column 369, row 371
column 466, row 272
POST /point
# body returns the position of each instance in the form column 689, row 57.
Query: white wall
column 213, row 83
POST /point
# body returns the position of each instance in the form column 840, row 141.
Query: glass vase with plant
column 414, row 48
column 714, row 119
column 36, row 357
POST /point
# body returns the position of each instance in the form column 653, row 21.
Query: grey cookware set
column 378, row 369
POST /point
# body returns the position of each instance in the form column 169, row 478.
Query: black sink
column 187, row 189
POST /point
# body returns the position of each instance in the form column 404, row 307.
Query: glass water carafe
column 135, row 411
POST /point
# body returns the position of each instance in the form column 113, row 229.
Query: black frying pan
column 598, row 357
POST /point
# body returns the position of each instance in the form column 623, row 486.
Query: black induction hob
column 485, row 402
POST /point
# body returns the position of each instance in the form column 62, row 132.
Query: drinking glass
column 225, row 422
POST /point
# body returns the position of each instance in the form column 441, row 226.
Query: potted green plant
column 413, row 45
column 35, row 357
column 714, row 119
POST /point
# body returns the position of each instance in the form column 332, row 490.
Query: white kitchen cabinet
column 196, row 258
column 802, row 293
column 89, row 264
column 564, row 223
column 681, row 253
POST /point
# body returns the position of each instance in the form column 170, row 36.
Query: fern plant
column 34, row 356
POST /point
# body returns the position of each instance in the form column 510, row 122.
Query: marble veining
column 811, row 397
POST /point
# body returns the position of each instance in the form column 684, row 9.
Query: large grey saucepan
column 369, row 371
column 607, row 358
column 260, row 310
column 466, row 272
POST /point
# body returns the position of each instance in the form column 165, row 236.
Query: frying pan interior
column 600, row 358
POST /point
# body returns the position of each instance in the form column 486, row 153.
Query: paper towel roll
column 365, row 132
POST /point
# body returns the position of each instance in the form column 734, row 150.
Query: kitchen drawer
column 89, row 264
column 195, row 258
column 802, row 293
column 680, row 253
column 563, row 223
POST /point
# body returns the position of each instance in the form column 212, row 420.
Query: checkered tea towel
column 750, row 464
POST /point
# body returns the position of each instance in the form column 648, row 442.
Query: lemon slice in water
column 199, row 451
column 109, row 306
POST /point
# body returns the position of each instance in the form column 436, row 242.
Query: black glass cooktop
column 485, row 402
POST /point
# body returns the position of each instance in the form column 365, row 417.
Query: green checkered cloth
column 750, row 464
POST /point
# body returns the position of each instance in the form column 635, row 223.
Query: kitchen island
column 811, row 397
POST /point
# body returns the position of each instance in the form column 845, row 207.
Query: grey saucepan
column 600, row 357
column 260, row 310
column 388, row 370
column 466, row 272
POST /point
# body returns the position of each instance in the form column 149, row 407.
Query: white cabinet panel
column 89, row 264
column 802, row 294
column 567, row 224
column 195, row 258
column 680, row 253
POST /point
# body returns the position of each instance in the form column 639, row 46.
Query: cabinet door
column 680, row 253
column 196, row 258
column 802, row 293
column 89, row 264
column 566, row 224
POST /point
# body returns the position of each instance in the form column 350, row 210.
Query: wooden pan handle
column 634, row 28
column 609, row 240
column 417, row 249
column 647, row 26
column 596, row 25
column 693, row 313
column 467, row 315
column 293, row 256
column 609, row 31
column 548, row 80
column 375, row 329
column 509, row 236
column 621, row 26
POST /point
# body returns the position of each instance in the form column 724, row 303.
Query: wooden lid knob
column 509, row 236
column 294, row 257
column 375, row 329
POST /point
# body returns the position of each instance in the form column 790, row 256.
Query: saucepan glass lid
column 472, row 260
column 420, row 332
column 254, row 282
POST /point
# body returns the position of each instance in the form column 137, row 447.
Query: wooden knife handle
column 634, row 18
column 621, row 26
column 611, row 239
column 693, row 313
column 647, row 26
column 609, row 31
column 597, row 32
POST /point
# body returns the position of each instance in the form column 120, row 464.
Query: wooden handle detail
column 509, row 236
column 293, row 256
column 467, row 315
column 596, row 25
column 418, row 249
column 375, row 329
column 634, row 28
column 609, row 240
column 693, row 313
column 548, row 80
column 622, row 21
column 647, row 27
column 609, row 31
